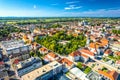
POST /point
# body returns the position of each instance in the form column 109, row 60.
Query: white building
column 78, row 73
column 14, row 47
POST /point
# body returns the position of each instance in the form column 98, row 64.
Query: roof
column 75, row 53
column 112, row 75
column 52, row 54
column 108, row 51
column 93, row 45
column 103, row 42
column 43, row 49
column 16, row 61
column 78, row 73
column 41, row 71
column 87, row 51
column 118, row 62
column 1, row 63
column 66, row 61
column 117, row 53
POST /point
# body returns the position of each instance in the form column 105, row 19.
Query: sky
column 60, row 8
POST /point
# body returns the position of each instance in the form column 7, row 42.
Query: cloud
column 55, row 4
column 72, row 2
column 96, row 13
column 34, row 7
column 71, row 7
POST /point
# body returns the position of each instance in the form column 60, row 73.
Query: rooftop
column 41, row 71
column 112, row 75
column 8, row 45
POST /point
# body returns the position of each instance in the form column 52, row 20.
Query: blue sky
column 57, row 8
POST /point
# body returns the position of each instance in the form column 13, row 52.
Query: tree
column 87, row 70
column 79, row 65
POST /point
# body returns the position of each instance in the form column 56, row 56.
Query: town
column 60, row 49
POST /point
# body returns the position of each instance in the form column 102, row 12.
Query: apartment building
column 15, row 49
column 26, row 66
column 44, row 73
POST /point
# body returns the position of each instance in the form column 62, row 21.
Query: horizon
column 63, row 8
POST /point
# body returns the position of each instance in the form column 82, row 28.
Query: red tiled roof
column 87, row 52
column 66, row 61
column 16, row 61
column 117, row 53
column 75, row 53
column 1, row 63
column 52, row 54
column 112, row 75
column 43, row 49
column 108, row 51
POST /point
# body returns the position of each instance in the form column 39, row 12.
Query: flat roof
column 12, row 44
column 41, row 71
column 78, row 73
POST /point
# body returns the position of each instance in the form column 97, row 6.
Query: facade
column 3, row 71
column 78, row 74
column 67, row 64
column 51, row 57
column 44, row 73
column 24, row 67
column 109, row 75
column 14, row 47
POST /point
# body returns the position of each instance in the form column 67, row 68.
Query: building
column 78, row 56
column 79, row 75
column 44, row 73
column 26, row 66
column 87, row 52
column 67, row 64
column 15, row 49
column 74, row 56
column 109, row 75
column 108, row 52
column 51, row 57
column 43, row 50
column 3, row 71
column 115, row 46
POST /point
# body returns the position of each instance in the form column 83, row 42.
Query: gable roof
column 87, row 51
column 66, row 61
column 75, row 53
column 112, row 75
column 108, row 51
column 117, row 53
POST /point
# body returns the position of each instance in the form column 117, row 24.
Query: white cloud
column 96, row 13
column 72, row 2
column 34, row 7
column 70, row 7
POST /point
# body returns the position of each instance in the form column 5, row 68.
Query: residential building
column 79, row 75
column 44, row 73
column 26, row 66
column 67, row 64
column 51, row 57
column 43, row 50
column 115, row 46
column 74, row 56
column 3, row 71
column 87, row 52
column 14, row 47
column 108, row 52
column 78, row 56
column 109, row 75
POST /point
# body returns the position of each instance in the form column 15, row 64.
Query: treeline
column 5, row 31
